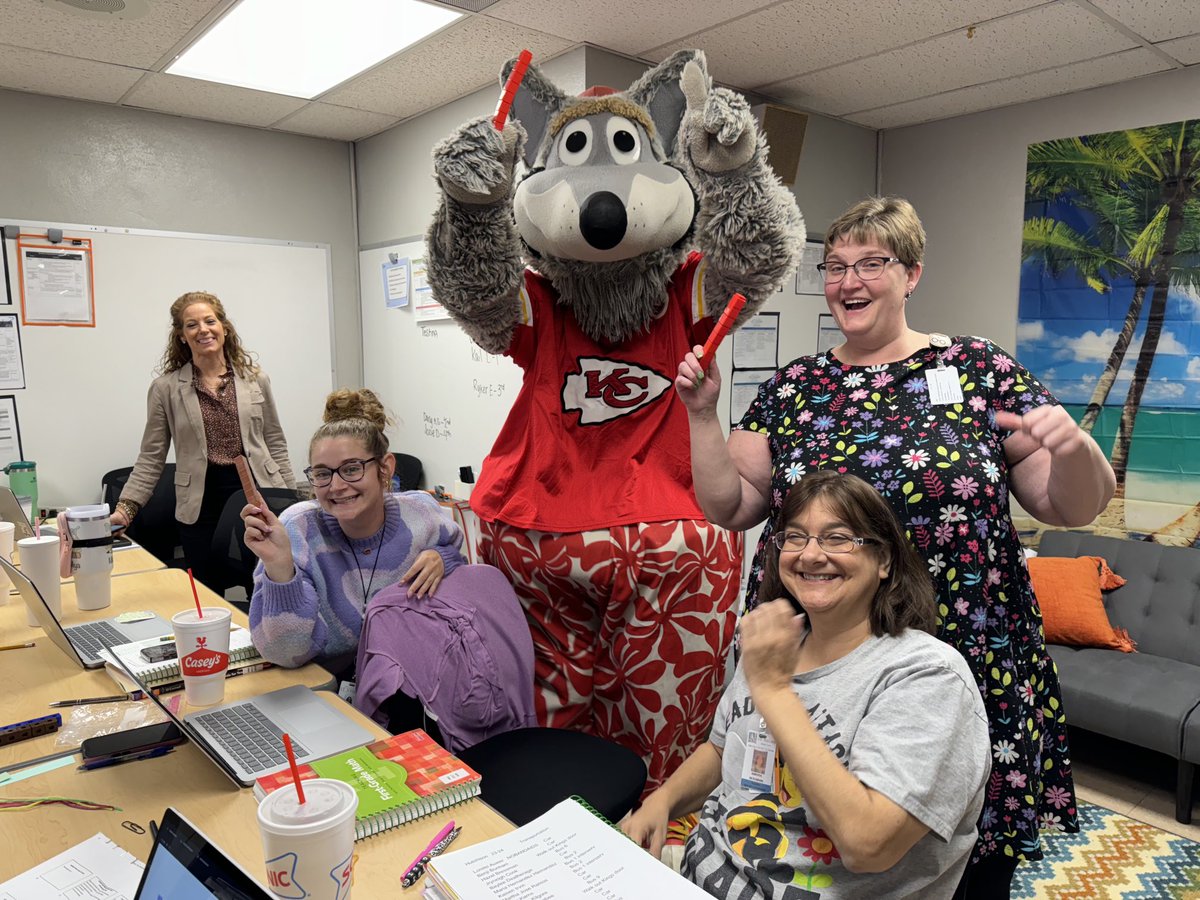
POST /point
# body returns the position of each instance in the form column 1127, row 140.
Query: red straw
column 192, row 579
column 287, row 745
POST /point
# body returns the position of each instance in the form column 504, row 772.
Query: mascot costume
column 637, row 216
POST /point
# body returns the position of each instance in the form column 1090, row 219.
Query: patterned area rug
column 1112, row 858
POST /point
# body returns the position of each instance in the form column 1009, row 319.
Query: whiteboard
column 83, row 410
column 449, row 398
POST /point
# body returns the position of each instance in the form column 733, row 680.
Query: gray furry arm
column 474, row 253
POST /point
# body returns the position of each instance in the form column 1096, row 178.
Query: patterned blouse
column 942, row 469
column 222, row 431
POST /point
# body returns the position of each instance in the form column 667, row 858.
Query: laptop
column 186, row 865
column 82, row 642
column 245, row 738
column 11, row 510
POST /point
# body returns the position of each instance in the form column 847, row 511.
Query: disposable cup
column 203, row 647
column 7, row 533
column 39, row 563
column 91, row 555
column 309, row 847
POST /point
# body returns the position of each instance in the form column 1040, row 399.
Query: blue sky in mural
column 1066, row 331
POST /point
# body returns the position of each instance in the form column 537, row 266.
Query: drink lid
column 325, row 799
column 191, row 617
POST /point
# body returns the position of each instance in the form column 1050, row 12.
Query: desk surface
column 32, row 678
column 187, row 780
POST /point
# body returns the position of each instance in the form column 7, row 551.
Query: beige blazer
column 173, row 414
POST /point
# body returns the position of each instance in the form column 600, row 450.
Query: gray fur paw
column 719, row 130
column 475, row 164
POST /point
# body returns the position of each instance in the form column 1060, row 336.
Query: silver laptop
column 82, row 642
column 245, row 738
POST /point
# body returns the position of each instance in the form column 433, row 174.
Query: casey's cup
column 309, row 847
column 203, row 647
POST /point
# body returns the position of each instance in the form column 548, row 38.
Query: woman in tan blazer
column 212, row 401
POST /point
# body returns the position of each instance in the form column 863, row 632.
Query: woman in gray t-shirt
column 848, row 756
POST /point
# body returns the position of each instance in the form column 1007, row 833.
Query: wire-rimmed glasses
column 835, row 542
column 867, row 269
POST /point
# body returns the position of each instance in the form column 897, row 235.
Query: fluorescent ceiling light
column 304, row 47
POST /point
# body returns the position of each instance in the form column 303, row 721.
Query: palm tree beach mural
column 1109, row 311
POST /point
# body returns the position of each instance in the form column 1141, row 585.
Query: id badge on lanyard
column 944, row 387
column 758, row 768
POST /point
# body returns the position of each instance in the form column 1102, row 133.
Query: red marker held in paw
column 524, row 58
column 723, row 327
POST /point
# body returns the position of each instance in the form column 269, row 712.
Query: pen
column 18, row 646
column 444, row 839
column 118, row 760
column 135, row 695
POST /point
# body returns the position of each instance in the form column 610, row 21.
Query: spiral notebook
column 162, row 676
column 570, row 851
column 397, row 780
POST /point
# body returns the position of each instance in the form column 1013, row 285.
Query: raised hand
column 698, row 389
column 475, row 164
column 771, row 635
column 718, row 130
column 268, row 540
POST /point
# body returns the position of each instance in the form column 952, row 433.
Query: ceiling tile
column 1061, row 80
column 1186, row 50
column 64, row 76
column 461, row 59
column 137, row 42
column 1155, row 20
column 626, row 27
column 1014, row 45
column 787, row 40
column 209, row 100
column 337, row 122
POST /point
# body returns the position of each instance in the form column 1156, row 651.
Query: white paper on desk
column 566, row 852
column 97, row 869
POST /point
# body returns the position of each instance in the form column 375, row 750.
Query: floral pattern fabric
column 943, row 470
column 631, row 628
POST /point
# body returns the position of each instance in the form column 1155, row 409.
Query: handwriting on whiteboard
column 428, row 332
column 481, row 356
column 436, row 426
column 488, row 389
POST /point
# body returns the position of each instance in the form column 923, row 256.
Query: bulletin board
column 83, row 409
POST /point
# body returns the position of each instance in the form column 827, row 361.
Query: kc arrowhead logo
column 606, row 389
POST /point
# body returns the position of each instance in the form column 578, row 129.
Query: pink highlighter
column 723, row 327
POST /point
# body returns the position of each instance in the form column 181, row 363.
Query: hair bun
column 359, row 404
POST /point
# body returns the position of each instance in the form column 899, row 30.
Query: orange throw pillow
column 1068, row 591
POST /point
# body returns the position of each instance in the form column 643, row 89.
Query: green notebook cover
column 379, row 783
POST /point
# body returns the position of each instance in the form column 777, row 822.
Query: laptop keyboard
column 89, row 639
column 247, row 736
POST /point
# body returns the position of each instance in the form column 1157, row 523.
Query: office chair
column 408, row 472
column 154, row 527
column 229, row 540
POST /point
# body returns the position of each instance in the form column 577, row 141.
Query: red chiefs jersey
column 596, row 436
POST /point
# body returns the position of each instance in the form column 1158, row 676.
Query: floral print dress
column 942, row 469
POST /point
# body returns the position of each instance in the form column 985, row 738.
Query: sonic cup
column 309, row 847
column 202, row 643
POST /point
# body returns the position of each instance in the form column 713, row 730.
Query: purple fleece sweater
column 319, row 613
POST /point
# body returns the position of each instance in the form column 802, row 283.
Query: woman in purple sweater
column 322, row 561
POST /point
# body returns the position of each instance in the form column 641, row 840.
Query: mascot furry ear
column 596, row 266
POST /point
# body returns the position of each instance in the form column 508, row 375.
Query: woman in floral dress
column 944, row 428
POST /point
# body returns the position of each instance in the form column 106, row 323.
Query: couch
column 1150, row 698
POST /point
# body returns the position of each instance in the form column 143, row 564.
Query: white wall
column 91, row 164
column 966, row 177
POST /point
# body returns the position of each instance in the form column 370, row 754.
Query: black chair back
column 154, row 527
column 229, row 540
column 408, row 472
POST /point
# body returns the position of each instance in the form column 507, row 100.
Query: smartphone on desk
column 159, row 652
column 134, row 741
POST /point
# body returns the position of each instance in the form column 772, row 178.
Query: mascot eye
column 623, row 139
column 575, row 147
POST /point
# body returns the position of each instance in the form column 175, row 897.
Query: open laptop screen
column 185, row 865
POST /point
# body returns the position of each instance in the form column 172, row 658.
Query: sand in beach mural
column 1109, row 313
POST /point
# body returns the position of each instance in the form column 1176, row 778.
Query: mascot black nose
column 602, row 220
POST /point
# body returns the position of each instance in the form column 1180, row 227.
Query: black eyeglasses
column 867, row 269
column 796, row 541
column 350, row 471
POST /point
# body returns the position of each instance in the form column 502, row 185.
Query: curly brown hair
column 355, row 414
column 178, row 354
column 905, row 599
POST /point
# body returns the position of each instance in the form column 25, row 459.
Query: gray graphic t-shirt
column 904, row 715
